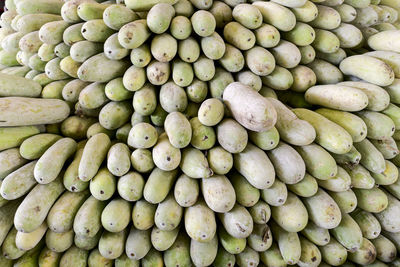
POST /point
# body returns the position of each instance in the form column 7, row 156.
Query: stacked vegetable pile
column 201, row 132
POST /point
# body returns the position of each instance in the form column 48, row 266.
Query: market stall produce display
column 200, row 133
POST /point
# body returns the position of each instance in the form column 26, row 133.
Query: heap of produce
column 200, row 133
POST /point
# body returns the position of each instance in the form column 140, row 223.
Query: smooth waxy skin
column 7, row 213
column 261, row 238
column 348, row 98
column 352, row 159
column 97, row 145
column 328, row 18
column 115, row 114
column 200, row 222
column 316, row 234
column 49, row 165
column 181, row 27
column 326, row 72
column 82, row 50
column 224, row 258
column 288, row 243
column 158, row 185
column 164, row 47
column 12, row 85
column 276, row 195
column 143, row 215
column 194, row 164
column 231, row 244
column 52, row 32
column 247, row 163
column 281, row 52
column 267, row 140
column 302, row 34
column 61, row 216
column 248, row 15
column 239, row 98
column 71, row 36
column 340, row 183
column 366, row 254
column 232, row 136
column 218, row 193
column 95, row 259
column 96, row 31
column 173, row 97
column 312, row 155
column 371, row 158
column 238, row 36
column 118, row 159
column 390, row 58
column 348, row 233
column 116, row 16
column 346, row 200
column 211, row 112
column 334, row 253
column 373, row 70
column 49, row 258
column 113, row 49
column 42, row 6
column 375, row 41
column 178, row 129
column 142, row 135
column 45, row 111
column 87, row 221
column 260, row 61
column 159, row 17
column 393, row 112
column 116, row 215
column 36, row 205
column 310, row 254
column 355, row 126
column 204, row 137
column 326, row 214
column 389, row 176
column 291, row 129
column 274, row 13
column 138, row 244
column 163, row 240
column 369, row 225
column 251, row 79
column 166, row 156
column 92, row 71
column 380, row 126
column 168, row 214
column 9, row 248
column 307, row 187
column 203, row 254
column 246, row 194
column 292, row 215
column 74, row 256
column 288, row 164
column 237, row 222
column 186, row 191
column 387, row 147
column 336, row 139
column 179, row 252
column 103, row 185
column 71, row 179
column 59, row 242
column 32, row 22
column 111, row 245
column 10, row 160
column 387, row 217
column 385, row 249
